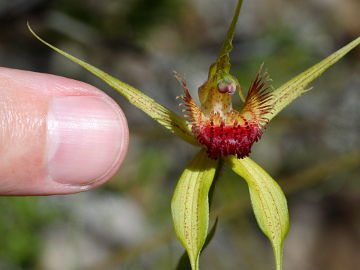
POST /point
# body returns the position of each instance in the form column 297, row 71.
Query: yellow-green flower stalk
column 223, row 132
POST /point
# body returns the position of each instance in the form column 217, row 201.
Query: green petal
column 296, row 86
column 190, row 206
column 164, row 116
column 268, row 202
column 184, row 262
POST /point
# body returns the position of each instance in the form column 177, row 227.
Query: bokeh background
column 312, row 148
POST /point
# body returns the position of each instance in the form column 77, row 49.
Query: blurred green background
column 312, row 148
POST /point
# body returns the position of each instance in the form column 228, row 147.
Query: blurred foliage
column 131, row 20
column 145, row 14
column 22, row 222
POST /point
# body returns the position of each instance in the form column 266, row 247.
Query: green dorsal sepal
column 222, row 64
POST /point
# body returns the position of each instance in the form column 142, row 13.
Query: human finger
column 57, row 135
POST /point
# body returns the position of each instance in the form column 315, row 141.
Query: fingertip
column 58, row 135
column 87, row 138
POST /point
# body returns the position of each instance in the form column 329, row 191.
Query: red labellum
column 228, row 140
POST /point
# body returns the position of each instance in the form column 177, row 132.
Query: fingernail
column 86, row 139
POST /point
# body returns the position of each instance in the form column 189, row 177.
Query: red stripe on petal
column 258, row 99
column 191, row 111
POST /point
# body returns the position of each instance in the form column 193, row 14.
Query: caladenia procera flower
column 220, row 128
column 223, row 133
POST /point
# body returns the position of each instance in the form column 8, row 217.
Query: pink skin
column 57, row 135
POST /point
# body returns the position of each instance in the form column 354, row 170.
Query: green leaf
column 162, row 115
column 184, row 262
column 268, row 202
column 222, row 63
column 297, row 86
column 190, row 206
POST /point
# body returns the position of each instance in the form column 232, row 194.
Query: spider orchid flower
column 223, row 133
column 216, row 125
